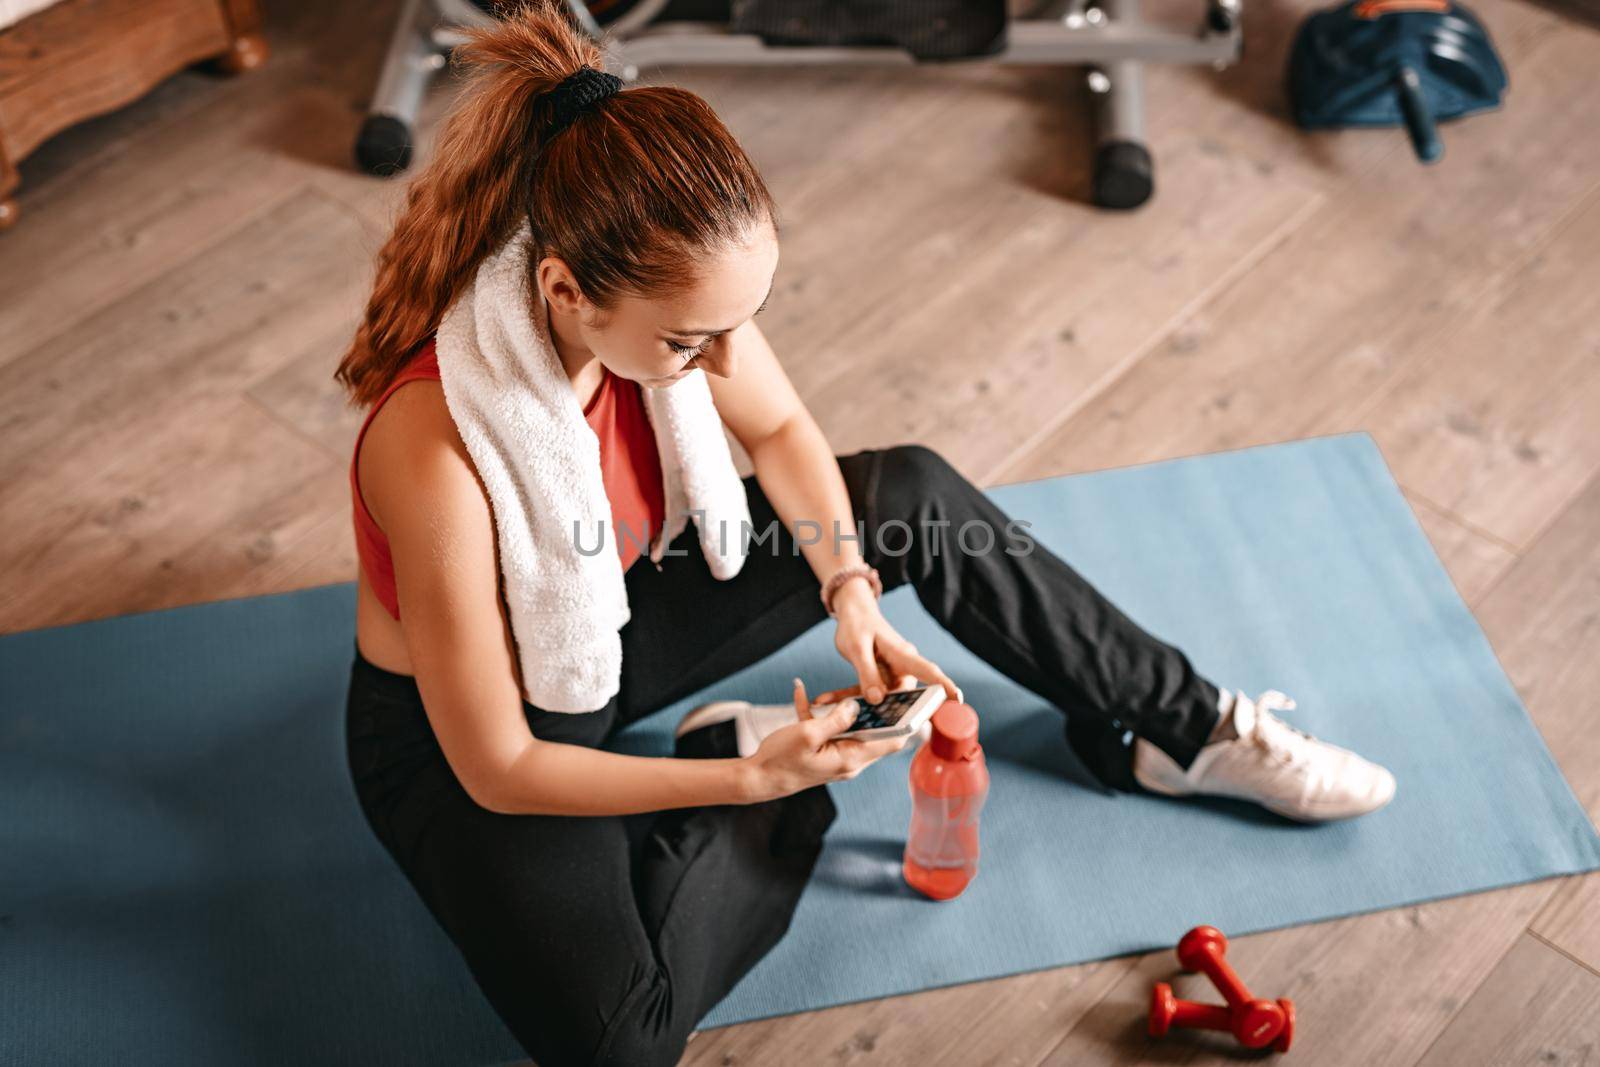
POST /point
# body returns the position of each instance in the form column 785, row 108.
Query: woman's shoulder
column 414, row 401
column 412, row 441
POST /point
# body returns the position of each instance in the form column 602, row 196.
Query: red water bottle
column 949, row 783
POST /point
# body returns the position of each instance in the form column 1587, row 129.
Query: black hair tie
column 578, row 93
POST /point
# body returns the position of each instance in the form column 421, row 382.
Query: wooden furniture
column 79, row 58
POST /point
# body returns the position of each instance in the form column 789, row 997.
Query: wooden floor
column 186, row 271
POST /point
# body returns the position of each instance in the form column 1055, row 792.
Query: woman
column 653, row 244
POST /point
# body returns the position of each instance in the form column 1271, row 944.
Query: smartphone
column 896, row 715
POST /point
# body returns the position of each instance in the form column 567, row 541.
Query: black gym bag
column 928, row 29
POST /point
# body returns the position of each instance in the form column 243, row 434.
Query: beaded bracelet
column 844, row 574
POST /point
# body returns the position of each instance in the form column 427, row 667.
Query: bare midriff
column 379, row 635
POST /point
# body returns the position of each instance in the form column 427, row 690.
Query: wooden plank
column 974, row 385
column 1588, row 10
column 1537, row 1007
column 116, row 430
column 1474, row 559
column 325, row 555
column 1542, row 620
column 1005, row 1021
column 125, row 225
column 221, row 322
column 303, row 393
column 985, row 324
column 160, row 527
column 294, row 520
column 912, row 201
column 1570, row 922
column 1506, row 449
column 1553, row 660
column 1343, row 306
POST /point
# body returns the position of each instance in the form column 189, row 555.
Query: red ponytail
column 628, row 196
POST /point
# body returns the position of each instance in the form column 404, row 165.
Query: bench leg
column 8, row 185
column 248, row 48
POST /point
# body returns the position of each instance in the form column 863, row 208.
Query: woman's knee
column 915, row 485
column 914, row 465
column 645, row 1030
column 923, row 509
column 594, row 1017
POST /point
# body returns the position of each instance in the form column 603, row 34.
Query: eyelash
column 696, row 350
column 689, row 350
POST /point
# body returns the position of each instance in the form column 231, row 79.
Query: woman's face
column 655, row 342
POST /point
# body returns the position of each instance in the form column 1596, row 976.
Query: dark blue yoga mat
column 185, row 878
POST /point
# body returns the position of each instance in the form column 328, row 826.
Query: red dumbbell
column 1167, row 1011
column 1255, row 1022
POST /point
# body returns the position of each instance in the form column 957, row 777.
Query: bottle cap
column 955, row 732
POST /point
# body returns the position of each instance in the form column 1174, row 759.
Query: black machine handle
column 1419, row 120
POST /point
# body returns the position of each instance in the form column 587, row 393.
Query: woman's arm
column 793, row 462
column 551, row 778
column 442, row 540
column 800, row 476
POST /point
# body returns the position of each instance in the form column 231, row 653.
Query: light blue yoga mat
column 185, row 877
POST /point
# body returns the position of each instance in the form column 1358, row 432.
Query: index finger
column 902, row 680
column 895, row 677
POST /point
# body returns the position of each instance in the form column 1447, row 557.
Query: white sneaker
column 1285, row 770
column 752, row 723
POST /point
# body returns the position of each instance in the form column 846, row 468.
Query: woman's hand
column 811, row 752
column 884, row 661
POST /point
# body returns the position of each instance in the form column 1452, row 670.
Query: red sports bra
column 629, row 465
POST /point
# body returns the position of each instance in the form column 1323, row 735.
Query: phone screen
column 887, row 712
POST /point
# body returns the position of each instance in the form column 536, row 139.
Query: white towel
column 521, row 422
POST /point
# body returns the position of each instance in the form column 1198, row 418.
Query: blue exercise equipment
column 1410, row 63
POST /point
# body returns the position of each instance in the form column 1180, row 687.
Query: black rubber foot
column 1124, row 175
column 384, row 146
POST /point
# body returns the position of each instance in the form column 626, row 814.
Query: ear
column 560, row 288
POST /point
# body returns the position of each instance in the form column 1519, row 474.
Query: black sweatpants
column 599, row 944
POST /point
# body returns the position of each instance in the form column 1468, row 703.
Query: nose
column 719, row 359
